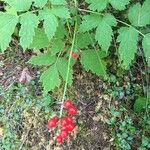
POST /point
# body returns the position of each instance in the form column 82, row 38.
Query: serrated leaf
column 7, row 26
column 42, row 59
column 83, row 40
column 61, row 12
column 140, row 15
column 89, row 22
column 62, row 66
column 40, row 3
column 58, row 2
column 97, row 4
column 57, row 46
column 119, row 5
column 50, row 79
column 139, row 104
column 61, row 31
column 29, row 22
column 127, row 38
column 146, row 47
column 100, row 5
column 50, row 22
column 40, row 40
column 91, row 60
column 20, row 5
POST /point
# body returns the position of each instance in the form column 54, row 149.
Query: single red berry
column 70, row 127
column 52, row 122
column 64, row 133
column 68, row 104
column 64, row 121
column 74, row 55
column 59, row 139
column 72, row 111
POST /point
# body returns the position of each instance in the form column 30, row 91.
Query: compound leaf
column 146, row 47
column 50, row 79
column 127, row 38
column 50, row 22
column 92, row 60
column 140, row 15
column 29, row 22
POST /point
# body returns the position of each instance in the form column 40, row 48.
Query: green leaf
column 50, row 22
column 61, row 31
column 29, row 22
column 61, row 12
column 146, row 47
column 42, row 59
column 89, row 22
column 62, row 66
column 20, row 5
column 40, row 3
column 139, row 104
column 128, row 38
column 40, row 40
column 57, row 46
column 119, row 5
column 83, row 40
column 104, row 31
column 50, row 79
column 140, row 15
column 91, row 60
column 100, row 5
column 58, row 2
column 7, row 26
column 97, row 4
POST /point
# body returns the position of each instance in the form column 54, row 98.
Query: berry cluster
column 67, row 124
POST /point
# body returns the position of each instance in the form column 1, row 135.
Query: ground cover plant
column 75, row 74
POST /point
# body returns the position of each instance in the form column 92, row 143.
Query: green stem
column 68, row 68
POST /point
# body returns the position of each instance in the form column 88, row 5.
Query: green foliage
column 92, row 60
column 140, row 103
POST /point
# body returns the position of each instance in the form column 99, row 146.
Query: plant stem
column 68, row 68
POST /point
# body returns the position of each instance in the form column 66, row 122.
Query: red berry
column 64, row 133
column 59, row 139
column 68, row 104
column 74, row 55
column 64, row 121
column 72, row 111
column 70, row 127
column 69, row 118
column 52, row 122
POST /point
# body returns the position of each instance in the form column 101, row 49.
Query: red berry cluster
column 66, row 122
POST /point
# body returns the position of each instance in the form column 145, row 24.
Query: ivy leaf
column 139, row 104
column 146, row 47
column 140, row 15
column 104, row 31
column 42, row 59
column 61, row 12
column 58, row 2
column 89, row 22
column 50, row 22
column 20, row 5
column 7, row 26
column 29, row 22
column 97, row 4
column 92, row 60
column 50, row 79
column 119, row 5
column 62, row 66
column 40, row 40
column 128, row 38
column 40, row 3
